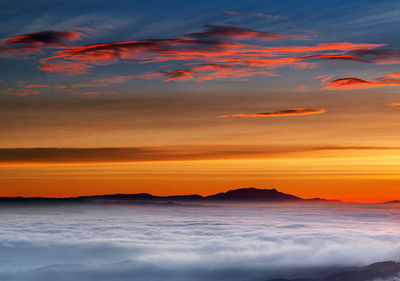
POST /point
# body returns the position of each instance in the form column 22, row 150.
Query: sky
column 200, row 97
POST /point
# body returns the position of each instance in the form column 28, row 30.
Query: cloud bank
column 211, row 243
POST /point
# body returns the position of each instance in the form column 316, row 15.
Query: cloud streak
column 286, row 112
column 166, row 153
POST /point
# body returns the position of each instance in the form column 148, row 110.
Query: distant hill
column 392, row 202
column 237, row 195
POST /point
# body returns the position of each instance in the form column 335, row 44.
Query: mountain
column 238, row 195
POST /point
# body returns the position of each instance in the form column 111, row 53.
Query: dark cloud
column 166, row 153
column 354, row 83
column 46, row 37
column 380, row 56
column 238, row 33
column 286, row 112
column 35, row 41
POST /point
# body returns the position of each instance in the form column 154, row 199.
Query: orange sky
column 200, row 100
column 369, row 177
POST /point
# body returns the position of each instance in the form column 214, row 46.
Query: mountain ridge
column 249, row 194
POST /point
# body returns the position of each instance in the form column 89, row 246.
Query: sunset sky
column 182, row 97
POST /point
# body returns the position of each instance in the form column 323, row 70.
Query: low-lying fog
column 246, row 242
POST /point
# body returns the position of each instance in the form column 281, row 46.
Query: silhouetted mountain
column 388, row 270
column 254, row 194
column 238, row 195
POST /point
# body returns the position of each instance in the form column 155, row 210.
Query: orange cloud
column 37, row 86
column 394, row 104
column 354, row 83
column 286, row 112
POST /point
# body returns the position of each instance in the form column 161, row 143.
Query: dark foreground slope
column 383, row 271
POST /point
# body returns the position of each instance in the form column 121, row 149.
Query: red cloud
column 287, row 112
column 183, row 75
column 354, row 83
column 65, row 67
column 210, row 59
column 216, row 60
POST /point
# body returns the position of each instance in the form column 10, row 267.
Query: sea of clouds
column 246, row 242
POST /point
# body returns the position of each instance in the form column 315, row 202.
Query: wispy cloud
column 115, row 79
column 286, row 112
column 394, row 104
column 301, row 88
column 258, row 15
column 21, row 92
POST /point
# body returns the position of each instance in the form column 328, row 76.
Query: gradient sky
column 186, row 97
